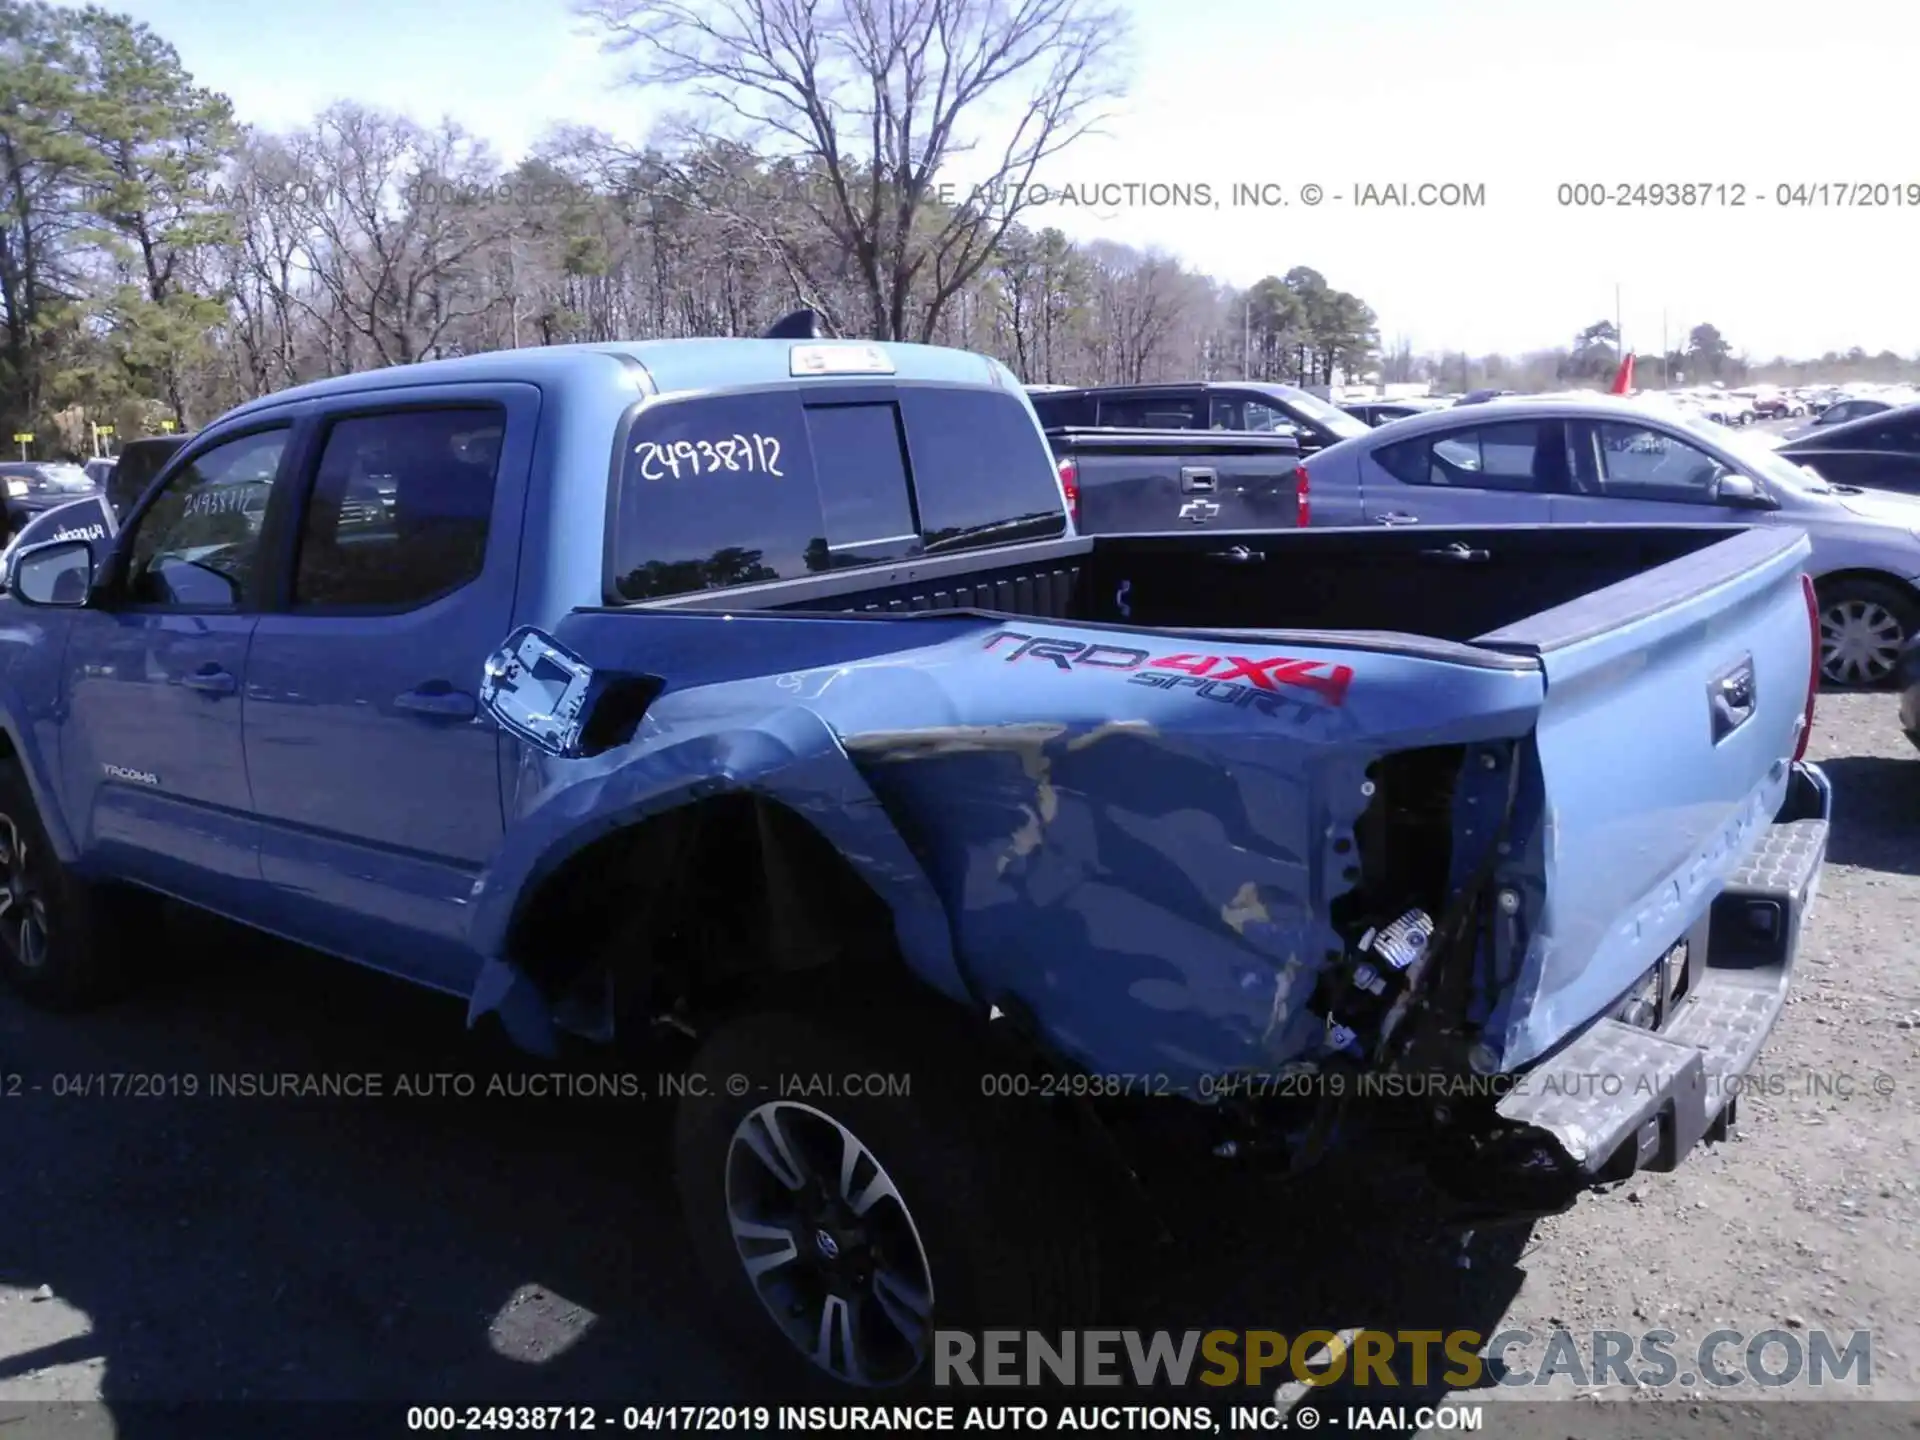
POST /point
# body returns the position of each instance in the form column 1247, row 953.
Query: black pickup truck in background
column 1145, row 481
column 1245, row 406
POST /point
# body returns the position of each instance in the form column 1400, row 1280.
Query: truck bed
column 1653, row 679
column 1455, row 584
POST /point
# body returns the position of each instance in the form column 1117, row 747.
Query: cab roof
column 658, row 367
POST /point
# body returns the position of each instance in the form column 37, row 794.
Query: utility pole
column 1663, row 349
column 1246, row 336
column 1619, row 326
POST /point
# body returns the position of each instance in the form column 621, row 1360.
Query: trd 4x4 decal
column 1231, row 679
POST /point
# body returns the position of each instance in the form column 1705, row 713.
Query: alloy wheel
column 1860, row 642
column 829, row 1245
column 23, row 909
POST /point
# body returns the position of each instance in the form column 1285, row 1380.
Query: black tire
column 1864, row 624
column 63, row 943
column 1001, row 1223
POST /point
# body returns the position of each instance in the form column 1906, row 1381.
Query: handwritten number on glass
column 704, row 457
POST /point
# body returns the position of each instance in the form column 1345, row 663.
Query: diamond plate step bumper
column 1620, row 1098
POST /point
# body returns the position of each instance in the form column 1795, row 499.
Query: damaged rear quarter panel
column 1139, row 856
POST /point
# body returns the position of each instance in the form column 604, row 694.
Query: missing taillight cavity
column 1404, row 839
column 1813, row 663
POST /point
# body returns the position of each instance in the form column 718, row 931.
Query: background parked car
column 1724, row 408
column 1854, row 407
column 1379, row 412
column 1227, row 405
column 1771, row 404
column 139, row 462
column 1533, row 461
column 1880, row 451
column 36, row 485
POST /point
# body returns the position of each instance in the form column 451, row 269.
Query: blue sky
column 1515, row 95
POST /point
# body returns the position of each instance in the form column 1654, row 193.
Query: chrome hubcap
column 829, row 1245
column 1860, row 642
column 23, row 911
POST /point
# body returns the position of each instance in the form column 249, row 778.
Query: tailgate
column 1673, row 708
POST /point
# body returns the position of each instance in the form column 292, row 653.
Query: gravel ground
column 162, row 1247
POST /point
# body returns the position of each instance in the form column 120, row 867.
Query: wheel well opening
column 697, row 911
column 1825, row 585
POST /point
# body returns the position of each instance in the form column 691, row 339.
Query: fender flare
column 42, row 788
column 792, row 757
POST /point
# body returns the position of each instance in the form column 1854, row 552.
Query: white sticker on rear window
column 750, row 453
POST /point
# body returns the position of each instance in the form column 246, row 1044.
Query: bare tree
column 400, row 215
column 869, row 101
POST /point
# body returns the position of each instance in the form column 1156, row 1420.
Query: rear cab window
column 716, row 491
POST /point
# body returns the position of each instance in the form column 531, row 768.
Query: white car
column 1724, row 408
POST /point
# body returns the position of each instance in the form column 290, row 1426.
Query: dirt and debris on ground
column 163, row 1245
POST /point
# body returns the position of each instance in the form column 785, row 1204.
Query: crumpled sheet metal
column 1146, row 868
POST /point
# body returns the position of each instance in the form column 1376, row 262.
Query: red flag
column 1623, row 381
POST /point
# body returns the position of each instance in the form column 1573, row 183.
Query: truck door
column 151, row 757
column 1503, row 472
column 376, row 777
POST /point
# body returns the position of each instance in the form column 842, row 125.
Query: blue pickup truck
column 763, row 692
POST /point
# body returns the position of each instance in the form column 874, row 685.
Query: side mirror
column 1741, row 493
column 58, row 573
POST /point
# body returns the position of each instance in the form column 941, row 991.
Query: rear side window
column 1513, row 455
column 400, row 508
column 1058, row 412
column 1153, row 412
column 1235, row 412
column 779, row 485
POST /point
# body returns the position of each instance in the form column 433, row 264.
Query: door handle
column 448, row 704
column 1197, row 480
column 211, row 680
column 1459, row 552
column 1398, row 517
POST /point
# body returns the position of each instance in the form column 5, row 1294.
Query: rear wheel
column 62, row 941
column 851, row 1221
column 1864, row 624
